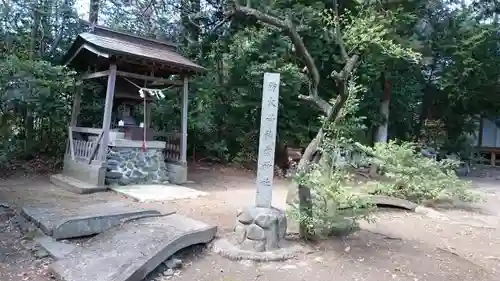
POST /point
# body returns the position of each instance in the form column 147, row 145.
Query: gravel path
column 461, row 245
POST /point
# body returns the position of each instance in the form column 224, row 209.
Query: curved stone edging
column 89, row 225
column 224, row 248
column 382, row 200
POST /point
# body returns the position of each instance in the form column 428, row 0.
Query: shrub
column 337, row 208
column 409, row 175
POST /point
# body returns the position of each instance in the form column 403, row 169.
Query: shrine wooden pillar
column 75, row 110
column 108, row 108
column 184, row 125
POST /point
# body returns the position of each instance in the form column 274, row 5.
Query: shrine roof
column 107, row 43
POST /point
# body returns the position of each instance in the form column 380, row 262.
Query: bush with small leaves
column 409, row 175
column 337, row 208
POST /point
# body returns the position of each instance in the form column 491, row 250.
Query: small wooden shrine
column 125, row 150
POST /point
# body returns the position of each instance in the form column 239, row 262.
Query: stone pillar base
column 177, row 173
column 260, row 229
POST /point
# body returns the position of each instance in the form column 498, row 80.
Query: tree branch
column 338, row 35
column 66, row 14
column 288, row 27
column 349, row 66
column 321, row 103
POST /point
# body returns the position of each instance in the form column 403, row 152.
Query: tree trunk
column 298, row 195
column 94, row 11
column 34, row 29
column 189, row 18
column 8, row 39
column 66, row 12
column 426, row 101
column 384, row 110
column 382, row 130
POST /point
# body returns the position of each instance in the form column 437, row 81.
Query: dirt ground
column 457, row 245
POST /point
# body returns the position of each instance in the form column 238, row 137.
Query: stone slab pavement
column 131, row 251
column 73, row 185
column 158, row 192
column 64, row 223
column 55, row 249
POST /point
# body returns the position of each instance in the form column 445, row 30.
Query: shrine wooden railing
column 83, row 143
column 172, row 141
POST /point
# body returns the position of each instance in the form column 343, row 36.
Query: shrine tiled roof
column 109, row 42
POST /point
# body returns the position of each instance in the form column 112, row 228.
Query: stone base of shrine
column 133, row 165
column 93, row 173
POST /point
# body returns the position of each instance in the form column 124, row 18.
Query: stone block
column 255, row 232
column 75, row 185
column 263, row 229
column 241, row 233
column 57, row 250
column 134, row 166
column 177, row 173
column 265, row 220
column 245, row 217
column 387, row 201
column 62, row 223
column 113, row 175
column 93, row 174
column 130, row 252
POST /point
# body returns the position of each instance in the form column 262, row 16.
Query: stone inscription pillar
column 267, row 140
column 262, row 228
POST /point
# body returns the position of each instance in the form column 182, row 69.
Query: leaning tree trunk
column 301, row 195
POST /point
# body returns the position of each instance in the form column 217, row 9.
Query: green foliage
column 350, row 124
column 461, row 68
column 369, row 31
column 411, row 176
column 35, row 104
column 337, row 207
column 456, row 80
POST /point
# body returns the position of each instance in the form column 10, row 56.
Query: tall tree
column 349, row 56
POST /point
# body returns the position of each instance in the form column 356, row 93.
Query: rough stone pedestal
column 260, row 229
column 132, row 165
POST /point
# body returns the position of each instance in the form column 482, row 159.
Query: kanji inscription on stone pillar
column 267, row 140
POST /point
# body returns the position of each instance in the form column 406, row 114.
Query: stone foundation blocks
column 134, row 166
column 261, row 229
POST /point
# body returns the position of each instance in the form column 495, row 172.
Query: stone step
column 55, row 249
column 158, row 192
column 64, row 223
column 131, row 251
column 74, row 185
